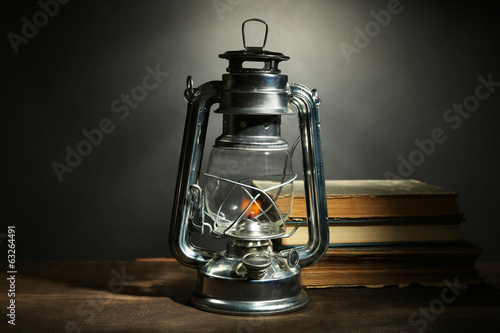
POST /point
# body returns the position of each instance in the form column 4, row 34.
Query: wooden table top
column 151, row 296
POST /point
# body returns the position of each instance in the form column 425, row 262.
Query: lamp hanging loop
column 248, row 48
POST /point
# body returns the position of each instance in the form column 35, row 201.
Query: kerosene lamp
column 249, row 187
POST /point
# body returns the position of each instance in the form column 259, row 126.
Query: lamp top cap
column 269, row 59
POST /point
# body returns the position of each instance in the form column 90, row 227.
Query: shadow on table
column 411, row 297
column 156, row 278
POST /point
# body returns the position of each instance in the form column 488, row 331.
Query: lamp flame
column 254, row 208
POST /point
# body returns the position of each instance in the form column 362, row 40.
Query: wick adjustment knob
column 256, row 264
column 292, row 258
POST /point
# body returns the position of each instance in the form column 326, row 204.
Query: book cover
column 379, row 198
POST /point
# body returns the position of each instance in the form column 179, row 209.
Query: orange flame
column 253, row 209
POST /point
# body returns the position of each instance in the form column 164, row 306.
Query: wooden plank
column 152, row 295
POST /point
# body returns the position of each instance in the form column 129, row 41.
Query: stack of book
column 387, row 232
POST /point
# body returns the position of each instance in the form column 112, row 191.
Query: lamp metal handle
column 307, row 103
column 199, row 102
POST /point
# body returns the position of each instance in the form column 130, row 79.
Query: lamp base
column 237, row 295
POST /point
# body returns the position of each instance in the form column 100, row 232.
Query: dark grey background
column 116, row 204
